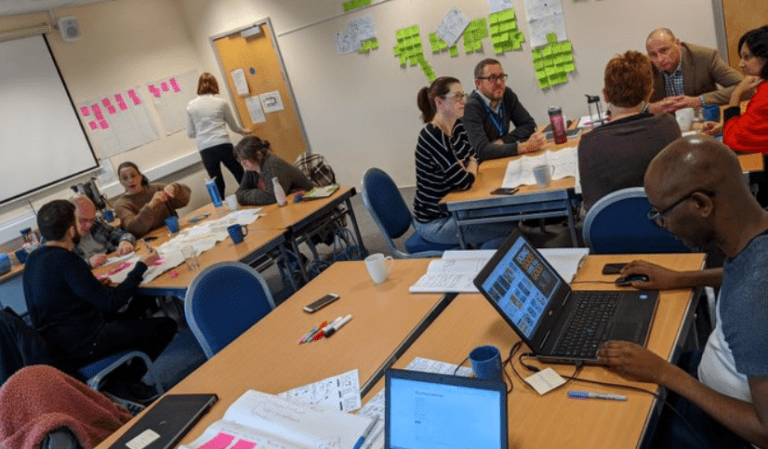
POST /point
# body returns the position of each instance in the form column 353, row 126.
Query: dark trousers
column 700, row 431
column 214, row 156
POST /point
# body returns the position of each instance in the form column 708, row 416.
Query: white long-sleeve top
column 207, row 120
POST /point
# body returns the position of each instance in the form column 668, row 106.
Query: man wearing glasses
column 721, row 395
column 489, row 111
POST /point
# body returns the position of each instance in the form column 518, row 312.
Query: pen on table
column 326, row 328
column 367, row 433
column 311, row 336
column 304, row 338
column 338, row 325
column 592, row 395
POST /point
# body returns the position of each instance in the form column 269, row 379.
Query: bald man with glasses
column 696, row 192
column 489, row 112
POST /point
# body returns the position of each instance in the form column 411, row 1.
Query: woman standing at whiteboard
column 445, row 161
column 207, row 120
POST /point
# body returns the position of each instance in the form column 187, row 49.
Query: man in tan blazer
column 686, row 75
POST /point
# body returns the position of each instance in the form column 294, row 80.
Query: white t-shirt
column 207, row 120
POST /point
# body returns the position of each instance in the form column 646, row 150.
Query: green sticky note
column 454, row 51
column 537, row 54
column 551, row 38
column 493, row 18
column 403, row 60
column 546, row 51
column 543, row 84
column 567, row 46
column 570, row 67
column 538, row 64
column 550, row 71
column 540, row 74
column 516, row 45
column 374, row 43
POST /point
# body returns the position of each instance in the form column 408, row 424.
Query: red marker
column 326, row 328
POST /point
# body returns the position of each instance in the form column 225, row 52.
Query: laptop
column 428, row 410
column 558, row 324
column 166, row 422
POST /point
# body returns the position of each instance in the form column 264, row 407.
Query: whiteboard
column 42, row 142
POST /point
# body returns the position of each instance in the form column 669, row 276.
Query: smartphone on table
column 320, row 303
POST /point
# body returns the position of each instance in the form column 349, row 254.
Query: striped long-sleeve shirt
column 440, row 161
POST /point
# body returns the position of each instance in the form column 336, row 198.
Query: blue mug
column 5, row 263
column 21, row 255
column 109, row 216
column 711, row 113
column 486, row 362
column 237, row 232
column 173, row 224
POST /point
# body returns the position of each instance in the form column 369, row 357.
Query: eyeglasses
column 459, row 96
column 657, row 216
column 494, row 78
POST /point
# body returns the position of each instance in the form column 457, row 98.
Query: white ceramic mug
column 543, row 174
column 378, row 268
column 231, row 201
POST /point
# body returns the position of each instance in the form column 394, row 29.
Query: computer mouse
column 628, row 280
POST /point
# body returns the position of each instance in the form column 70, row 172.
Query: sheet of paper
column 340, row 392
column 241, row 84
column 347, row 42
column 520, row 171
column 271, row 101
column 253, row 104
column 171, row 104
column 364, row 27
column 452, row 26
column 544, row 17
column 499, row 5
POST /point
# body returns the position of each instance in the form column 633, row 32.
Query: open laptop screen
column 444, row 412
column 522, row 285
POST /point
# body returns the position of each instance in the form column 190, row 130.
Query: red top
column 749, row 132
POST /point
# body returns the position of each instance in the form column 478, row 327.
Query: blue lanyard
column 498, row 121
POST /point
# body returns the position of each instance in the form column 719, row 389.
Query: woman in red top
column 749, row 131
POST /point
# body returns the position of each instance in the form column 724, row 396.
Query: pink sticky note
column 103, row 124
column 156, row 93
column 93, row 125
column 164, row 86
column 119, row 98
column 96, row 108
column 111, row 109
column 151, row 88
column 105, row 102
column 242, row 444
column 136, row 100
column 131, row 93
column 175, row 85
column 85, row 111
column 123, row 107
column 220, row 441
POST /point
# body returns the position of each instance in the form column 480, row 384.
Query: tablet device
column 169, row 419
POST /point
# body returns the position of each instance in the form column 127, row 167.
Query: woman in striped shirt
column 445, row 161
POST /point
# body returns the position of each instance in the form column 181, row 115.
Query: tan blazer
column 703, row 69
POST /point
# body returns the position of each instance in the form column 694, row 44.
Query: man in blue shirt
column 696, row 191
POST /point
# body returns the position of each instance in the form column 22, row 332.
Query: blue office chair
column 95, row 372
column 384, row 202
column 618, row 224
column 223, row 301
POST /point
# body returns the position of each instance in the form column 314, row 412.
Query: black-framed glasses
column 458, row 96
column 657, row 216
column 494, row 78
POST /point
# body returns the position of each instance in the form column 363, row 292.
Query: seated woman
column 445, row 161
column 144, row 206
column 260, row 167
column 615, row 155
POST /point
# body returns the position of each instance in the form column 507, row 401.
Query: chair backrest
column 223, row 301
column 383, row 200
column 618, row 224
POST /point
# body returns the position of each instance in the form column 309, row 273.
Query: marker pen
column 338, row 325
column 591, row 395
column 325, row 329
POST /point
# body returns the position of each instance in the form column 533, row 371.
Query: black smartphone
column 149, row 238
column 613, row 268
column 320, row 303
column 505, row 191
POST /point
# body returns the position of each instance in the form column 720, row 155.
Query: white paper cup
column 231, row 201
column 377, row 267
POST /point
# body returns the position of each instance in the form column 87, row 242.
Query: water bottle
column 279, row 192
column 213, row 191
column 558, row 124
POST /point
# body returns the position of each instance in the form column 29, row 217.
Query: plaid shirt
column 107, row 235
column 316, row 168
column 673, row 83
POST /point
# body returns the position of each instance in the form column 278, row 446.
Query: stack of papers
column 455, row 271
column 520, row 171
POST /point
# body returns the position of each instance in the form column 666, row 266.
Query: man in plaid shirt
column 97, row 237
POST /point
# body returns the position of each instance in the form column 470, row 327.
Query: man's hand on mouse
column 659, row 278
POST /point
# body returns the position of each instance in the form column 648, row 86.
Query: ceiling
column 15, row 7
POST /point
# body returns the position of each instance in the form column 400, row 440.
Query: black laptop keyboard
column 588, row 325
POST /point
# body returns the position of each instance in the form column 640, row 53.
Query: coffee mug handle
column 244, row 229
column 551, row 170
column 390, row 264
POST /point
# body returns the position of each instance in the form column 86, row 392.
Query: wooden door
column 260, row 60
column 741, row 16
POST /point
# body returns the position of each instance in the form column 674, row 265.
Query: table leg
column 351, row 213
column 461, row 234
column 572, row 223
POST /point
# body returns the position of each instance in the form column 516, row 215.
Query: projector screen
column 42, row 142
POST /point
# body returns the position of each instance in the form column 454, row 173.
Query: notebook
column 166, row 422
column 321, row 192
column 429, row 410
column 541, row 307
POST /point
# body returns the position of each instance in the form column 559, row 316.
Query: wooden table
column 478, row 206
column 267, row 357
column 553, row 420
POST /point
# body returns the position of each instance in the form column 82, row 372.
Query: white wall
column 360, row 110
